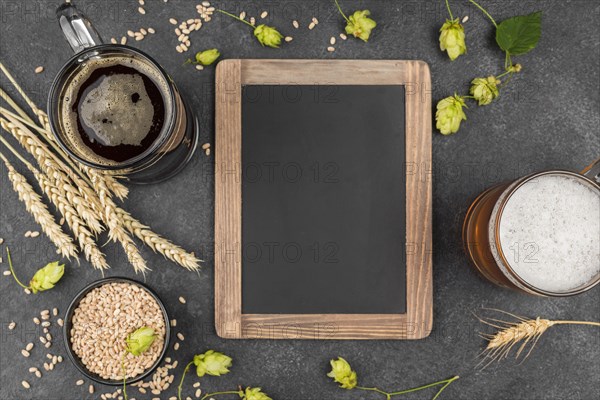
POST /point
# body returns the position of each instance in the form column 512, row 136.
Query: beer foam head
column 118, row 110
column 550, row 232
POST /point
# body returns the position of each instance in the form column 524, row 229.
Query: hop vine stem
column 236, row 17
column 447, row 6
column 11, row 266
column 344, row 15
column 124, row 375
column 487, row 14
column 185, row 371
column 208, row 395
column 388, row 395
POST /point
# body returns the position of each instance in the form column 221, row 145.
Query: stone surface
column 547, row 117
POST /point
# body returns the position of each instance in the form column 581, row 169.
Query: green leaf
column 519, row 35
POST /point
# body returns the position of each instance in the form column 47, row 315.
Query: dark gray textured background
column 547, row 117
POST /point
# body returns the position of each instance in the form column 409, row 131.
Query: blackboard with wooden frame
column 411, row 317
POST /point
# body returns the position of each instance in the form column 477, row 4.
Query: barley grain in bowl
column 99, row 321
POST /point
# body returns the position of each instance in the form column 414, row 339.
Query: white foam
column 112, row 115
column 550, row 232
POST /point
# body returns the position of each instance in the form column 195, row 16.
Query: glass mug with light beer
column 113, row 108
column 539, row 234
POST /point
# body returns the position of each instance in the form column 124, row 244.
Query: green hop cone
column 254, row 394
column 268, row 36
column 47, row 277
column 342, row 373
column 207, row 57
column 449, row 114
column 140, row 340
column 452, row 39
column 485, row 89
column 212, row 363
column 360, row 25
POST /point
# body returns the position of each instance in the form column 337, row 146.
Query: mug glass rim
column 513, row 189
column 54, row 98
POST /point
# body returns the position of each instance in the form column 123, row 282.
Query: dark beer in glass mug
column 114, row 108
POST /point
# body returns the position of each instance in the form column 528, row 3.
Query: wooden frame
column 229, row 320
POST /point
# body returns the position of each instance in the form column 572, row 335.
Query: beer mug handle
column 78, row 30
column 592, row 171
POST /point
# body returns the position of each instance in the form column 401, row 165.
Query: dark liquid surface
column 120, row 112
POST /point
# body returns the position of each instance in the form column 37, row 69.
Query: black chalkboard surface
column 323, row 199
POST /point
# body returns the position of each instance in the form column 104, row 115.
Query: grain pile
column 101, row 323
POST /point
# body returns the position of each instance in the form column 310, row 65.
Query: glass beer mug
column 539, row 234
column 114, row 108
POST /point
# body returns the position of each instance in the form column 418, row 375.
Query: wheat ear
column 77, row 226
column 78, row 194
column 69, row 213
column 116, row 230
column 520, row 331
column 110, row 182
column 90, row 198
column 158, row 243
column 34, row 205
column 99, row 200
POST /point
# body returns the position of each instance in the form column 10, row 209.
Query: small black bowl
column 68, row 324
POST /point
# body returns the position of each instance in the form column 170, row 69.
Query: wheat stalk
column 158, row 243
column 77, row 192
column 521, row 331
column 36, row 207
